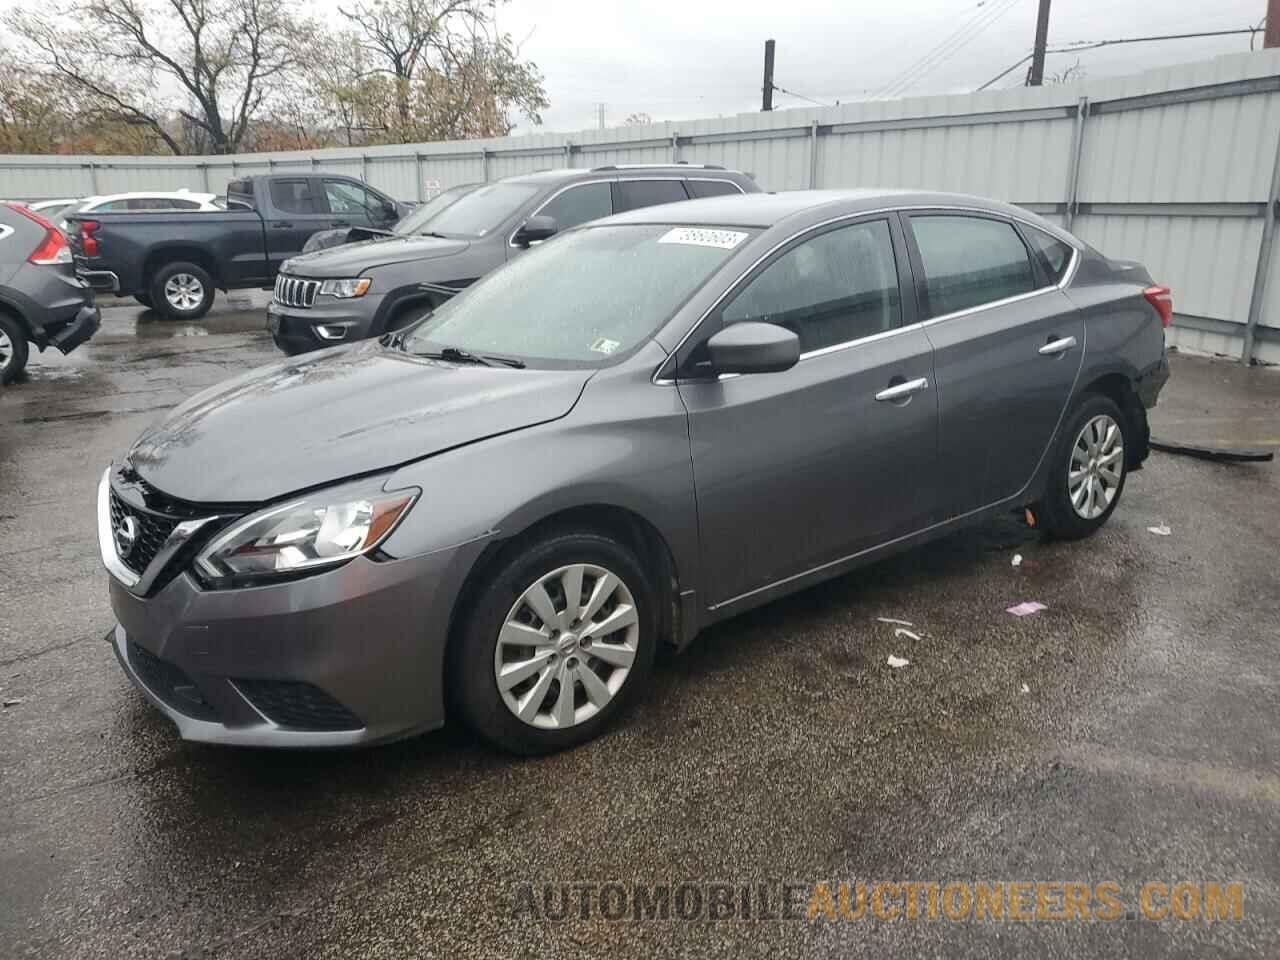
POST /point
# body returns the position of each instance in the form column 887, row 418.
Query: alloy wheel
column 183, row 292
column 567, row 646
column 1096, row 468
column 6, row 351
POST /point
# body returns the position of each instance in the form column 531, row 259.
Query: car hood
column 350, row 259
column 353, row 410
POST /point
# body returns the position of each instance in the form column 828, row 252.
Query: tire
column 191, row 285
column 144, row 299
column 1097, row 492
column 478, row 653
column 13, row 348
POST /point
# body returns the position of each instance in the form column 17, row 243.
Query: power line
column 1077, row 46
column 800, row 96
column 955, row 42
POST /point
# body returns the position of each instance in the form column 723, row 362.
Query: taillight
column 88, row 242
column 53, row 248
column 1162, row 300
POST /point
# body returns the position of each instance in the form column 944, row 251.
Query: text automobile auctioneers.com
column 998, row 901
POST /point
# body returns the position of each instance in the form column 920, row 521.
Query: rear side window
column 1054, row 255
column 293, row 196
column 634, row 194
column 712, row 188
column 589, row 201
column 969, row 261
column 841, row 285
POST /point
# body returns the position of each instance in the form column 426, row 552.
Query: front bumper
column 349, row 657
column 296, row 330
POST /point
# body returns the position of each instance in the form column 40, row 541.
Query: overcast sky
column 695, row 58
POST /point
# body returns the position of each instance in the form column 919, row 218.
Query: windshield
column 581, row 299
column 416, row 220
column 482, row 210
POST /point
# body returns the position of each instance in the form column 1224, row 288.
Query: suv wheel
column 13, row 348
column 1088, row 470
column 182, row 291
column 560, row 639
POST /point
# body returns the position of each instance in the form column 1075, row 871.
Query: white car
column 155, row 201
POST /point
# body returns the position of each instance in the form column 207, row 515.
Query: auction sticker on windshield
column 700, row 237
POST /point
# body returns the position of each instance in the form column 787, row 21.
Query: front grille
column 299, row 706
column 169, row 683
column 292, row 292
column 153, row 530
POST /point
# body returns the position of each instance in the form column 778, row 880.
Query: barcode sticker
column 701, row 237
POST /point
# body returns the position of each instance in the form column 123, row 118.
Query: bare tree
column 224, row 57
column 637, row 120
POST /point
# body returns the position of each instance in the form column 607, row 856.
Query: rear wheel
column 13, row 348
column 556, row 644
column 1088, row 470
column 182, row 291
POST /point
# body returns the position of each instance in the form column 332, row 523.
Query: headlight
column 346, row 289
column 325, row 529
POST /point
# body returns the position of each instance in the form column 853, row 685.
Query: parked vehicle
column 367, row 289
column 54, row 210
column 42, row 302
column 174, row 261
column 410, row 224
column 649, row 424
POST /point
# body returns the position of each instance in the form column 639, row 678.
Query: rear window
column 969, row 261
column 1054, row 255
column 634, row 194
column 712, row 188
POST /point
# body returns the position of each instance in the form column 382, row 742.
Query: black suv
column 366, row 289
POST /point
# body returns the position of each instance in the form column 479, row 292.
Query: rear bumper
column 103, row 281
column 86, row 323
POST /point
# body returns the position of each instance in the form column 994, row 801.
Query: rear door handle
column 283, row 225
column 1055, row 347
column 341, row 223
column 900, row 391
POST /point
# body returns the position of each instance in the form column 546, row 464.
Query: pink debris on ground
column 1027, row 608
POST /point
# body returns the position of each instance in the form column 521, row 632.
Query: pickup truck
column 174, row 261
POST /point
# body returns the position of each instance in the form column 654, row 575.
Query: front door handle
column 901, row 391
column 340, row 223
column 1055, row 347
column 283, row 225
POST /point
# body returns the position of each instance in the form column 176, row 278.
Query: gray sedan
column 642, row 427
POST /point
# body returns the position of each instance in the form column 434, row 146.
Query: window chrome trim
column 543, row 205
column 1067, row 277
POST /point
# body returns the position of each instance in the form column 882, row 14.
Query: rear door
column 803, row 468
column 1007, row 349
column 297, row 211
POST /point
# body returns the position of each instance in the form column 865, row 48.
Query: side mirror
column 390, row 210
column 753, row 347
column 535, row 229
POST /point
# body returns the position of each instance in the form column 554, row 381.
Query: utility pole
column 767, row 102
column 1036, row 77
column 1272, row 37
column 600, row 107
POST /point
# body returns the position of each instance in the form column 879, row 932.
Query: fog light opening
column 331, row 331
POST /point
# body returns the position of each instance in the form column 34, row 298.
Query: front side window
column 839, row 286
column 293, row 196
column 634, row 194
column 583, row 299
column 969, row 261
column 589, row 201
column 1055, row 256
column 347, row 199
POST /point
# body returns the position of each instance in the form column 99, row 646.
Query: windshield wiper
column 454, row 355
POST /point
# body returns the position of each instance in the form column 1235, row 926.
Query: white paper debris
column 1025, row 688
column 1027, row 608
column 899, row 632
column 14, row 702
column 1017, row 560
column 1160, row 531
column 605, row 345
column 701, row 237
column 897, row 662
column 905, row 623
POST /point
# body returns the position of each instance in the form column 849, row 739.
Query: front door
column 802, row 468
column 1008, row 345
column 298, row 211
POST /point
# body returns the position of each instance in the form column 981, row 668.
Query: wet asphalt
column 780, row 749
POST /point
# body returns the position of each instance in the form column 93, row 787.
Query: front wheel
column 1088, row 470
column 182, row 291
column 560, row 639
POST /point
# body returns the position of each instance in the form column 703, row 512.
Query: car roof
column 767, row 209
column 624, row 171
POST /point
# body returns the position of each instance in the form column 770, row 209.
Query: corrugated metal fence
column 1178, row 168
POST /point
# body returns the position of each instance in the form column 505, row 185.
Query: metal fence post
column 1264, row 264
column 484, row 164
column 568, row 153
column 675, row 148
column 813, row 155
column 204, row 175
column 364, row 167
column 93, row 178
column 417, row 175
column 1073, row 163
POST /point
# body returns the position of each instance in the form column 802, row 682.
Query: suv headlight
column 325, row 529
column 346, row 289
